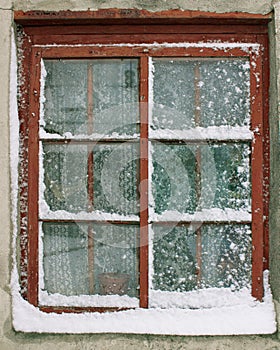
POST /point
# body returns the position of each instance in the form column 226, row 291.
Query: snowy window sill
column 238, row 316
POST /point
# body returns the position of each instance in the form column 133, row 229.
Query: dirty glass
column 205, row 92
column 105, row 89
column 186, row 258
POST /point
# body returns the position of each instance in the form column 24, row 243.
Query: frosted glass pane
column 224, row 92
column 116, row 178
column 191, row 178
column 226, row 256
column 104, row 93
column 116, row 253
column 65, row 258
column 206, row 92
column 65, row 107
column 223, row 250
column 115, row 96
column 65, row 177
column 174, row 259
column 174, row 178
column 173, row 94
column 225, row 176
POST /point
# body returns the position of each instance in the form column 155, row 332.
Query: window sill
column 250, row 317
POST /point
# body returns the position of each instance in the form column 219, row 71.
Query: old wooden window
column 145, row 158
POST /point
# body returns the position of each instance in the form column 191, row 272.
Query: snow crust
column 97, row 215
column 225, row 314
column 216, row 214
column 86, row 300
column 210, row 133
column 92, row 137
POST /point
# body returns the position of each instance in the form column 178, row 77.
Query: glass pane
column 225, row 92
column 65, row 107
column 91, row 259
column 174, row 178
column 116, row 169
column 186, row 258
column 225, row 176
column 206, row 92
column 115, row 96
column 226, row 256
column 102, row 92
column 65, row 177
column 173, row 94
column 174, row 259
column 115, row 253
column 189, row 178
column 65, row 258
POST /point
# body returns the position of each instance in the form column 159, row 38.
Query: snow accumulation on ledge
column 224, row 313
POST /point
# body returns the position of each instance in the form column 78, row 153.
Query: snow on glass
column 190, row 98
column 86, row 101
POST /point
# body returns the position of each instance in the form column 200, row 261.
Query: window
column 145, row 165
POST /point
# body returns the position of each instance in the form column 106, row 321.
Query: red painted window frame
column 40, row 30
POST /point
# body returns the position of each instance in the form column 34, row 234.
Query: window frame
column 84, row 30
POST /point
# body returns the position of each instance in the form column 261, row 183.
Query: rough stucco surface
column 5, row 4
column 11, row 340
column 255, row 6
column 5, row 20
column 275, row 159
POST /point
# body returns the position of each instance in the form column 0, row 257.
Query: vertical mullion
column 90, row 131
column 198, row 170
column 33, row 174
column 90, row 178
column 257, row 163
column 144, row 239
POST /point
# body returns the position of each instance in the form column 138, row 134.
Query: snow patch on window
column 216, row 214
column 97, row 215
column 227, row 316
column 88, row 300
column 92, row 137
column 219, row 133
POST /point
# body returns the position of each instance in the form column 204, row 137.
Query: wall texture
column 12, row 340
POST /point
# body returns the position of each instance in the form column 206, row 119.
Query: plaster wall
column 12, row 340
